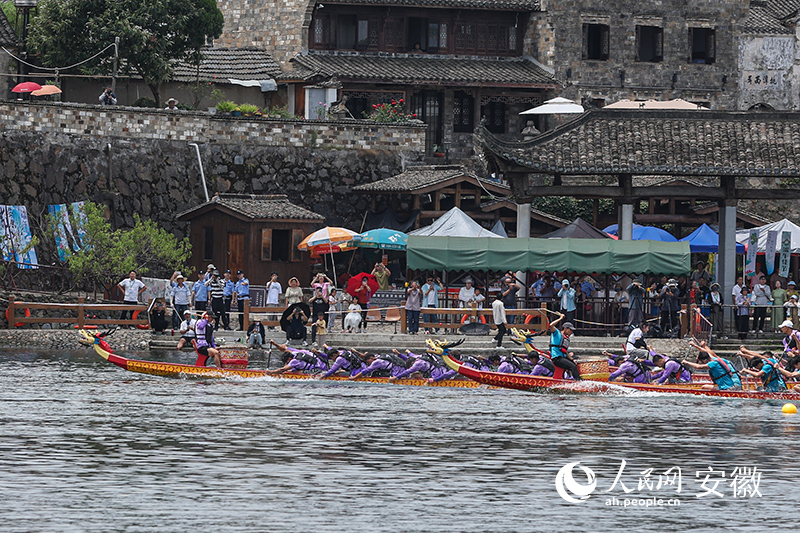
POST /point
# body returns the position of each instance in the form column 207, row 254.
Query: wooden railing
column 84, row 314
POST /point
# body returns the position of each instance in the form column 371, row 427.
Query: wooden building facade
column 257, row 234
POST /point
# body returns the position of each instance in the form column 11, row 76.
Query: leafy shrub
column 144, row 102
column 226, row 106
column 249, row 109
column 282, row 112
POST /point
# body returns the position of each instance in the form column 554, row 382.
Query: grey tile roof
column 761, row 20
column 418, row 178
column 7, row 34
column 782, row 9
column 418, row 68
column 516, row 5
column 492, row 204
column 687, row 143
column 224, row 63
column 254, row 206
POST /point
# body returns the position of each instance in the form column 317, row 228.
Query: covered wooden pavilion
column 435, row 189
column 728, row 156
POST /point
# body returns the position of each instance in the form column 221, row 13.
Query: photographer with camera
column 108, row 97
column 670, row 305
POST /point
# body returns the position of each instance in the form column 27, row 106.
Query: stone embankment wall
column 138, row 160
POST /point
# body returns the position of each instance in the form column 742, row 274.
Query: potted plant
column 226, row 106
column 437, row 152
column 249, row 109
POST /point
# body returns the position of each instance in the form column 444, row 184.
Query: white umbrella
column 677, row 103
column 556, row 106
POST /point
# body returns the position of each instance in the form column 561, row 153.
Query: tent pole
column 333, row 262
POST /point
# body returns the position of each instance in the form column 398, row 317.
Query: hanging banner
column 786, row 254
column 769, row 252
column 750, row 256
column 16, row 237
column 69, row 227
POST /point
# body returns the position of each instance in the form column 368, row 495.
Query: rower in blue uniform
column 559, row 347
column 720, row 370
column 764, row 367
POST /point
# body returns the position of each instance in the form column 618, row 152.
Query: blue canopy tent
column 644, row 233
column 705, row 239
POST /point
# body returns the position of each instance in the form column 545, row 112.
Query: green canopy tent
column 603, row 256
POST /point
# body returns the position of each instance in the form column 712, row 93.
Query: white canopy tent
column 779, row 226
column 455, row 223
column 556, row 106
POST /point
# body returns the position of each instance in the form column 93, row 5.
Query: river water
column 87, row 446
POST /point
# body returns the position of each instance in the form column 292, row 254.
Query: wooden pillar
column 81, row 313
column 437, row 197
column 458, row 195
column 403, row 320
column 246, row 321
column 595, row 211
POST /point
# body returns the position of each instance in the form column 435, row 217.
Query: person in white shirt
column 187, row 330
column 500, row 320
column 274, row 291
column 466, row 295
column 132, row 288
column 636, row 346
column 737, row 289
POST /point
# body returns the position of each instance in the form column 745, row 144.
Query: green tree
column 108, row 254
column 153, row 34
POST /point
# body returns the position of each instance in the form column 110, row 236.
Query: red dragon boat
column 595, row 374
column 235, row 361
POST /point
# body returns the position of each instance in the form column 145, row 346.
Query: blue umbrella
column 644, row 233
column 384, row 239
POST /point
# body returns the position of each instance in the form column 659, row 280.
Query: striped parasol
column 329, row 236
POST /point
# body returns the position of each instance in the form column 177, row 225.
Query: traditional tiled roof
column 254, row 206
column 419, row 68
column 739, row 212
column 516, row 5
column 762, row 20
column 7, row 34
column 688, row 143
column 415, row 179
column 492, row 205
column 224, row 63
column 782, row 9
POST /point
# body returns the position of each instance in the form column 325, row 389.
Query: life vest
column 773, row 376
column 518, row 363
column 677, row 373
column 547, row 363
column 310, row 360
column 559, row 346
column 432, row 360
column 394, row 359
column 728, row 371
column 638, row 371
column 353, row 361
column 474, row 361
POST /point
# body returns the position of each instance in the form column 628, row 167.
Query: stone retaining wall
column 137, row 161
column 192, row 126
column 60, row 339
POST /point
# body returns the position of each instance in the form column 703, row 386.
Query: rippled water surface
column 87, row 446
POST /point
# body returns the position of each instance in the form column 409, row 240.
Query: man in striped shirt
column 216, row 289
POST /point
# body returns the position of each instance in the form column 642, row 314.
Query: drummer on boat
column 764, row 367
column 559, row 346
column 720, row 370
column 636, row 346
column 204, row 337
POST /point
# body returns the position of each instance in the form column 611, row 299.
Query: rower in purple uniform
column 672, row 371
column 428, row 364
column 542, row 365
column 346, row 360
column 384, row 365
column 301, row 360
column 631, row 371
column 479, row 363
column 514, row 364
column 204, row 336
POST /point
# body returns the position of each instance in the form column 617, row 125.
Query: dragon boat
column 595, row 379
column 235, row 361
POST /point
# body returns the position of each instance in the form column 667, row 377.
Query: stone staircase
column 378, row 341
